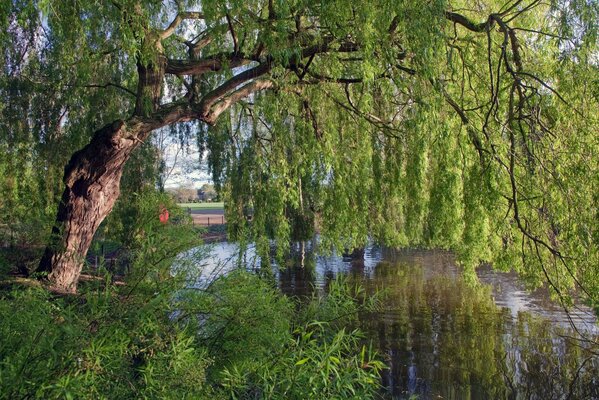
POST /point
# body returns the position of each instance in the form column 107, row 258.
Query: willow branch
column 553, row 35
column 106, row 85
column 467, row 23
column 218, row 108
column 233, row 34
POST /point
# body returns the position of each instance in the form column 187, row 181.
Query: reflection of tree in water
column 442, row 337
column 545, row 363
column 298, row 278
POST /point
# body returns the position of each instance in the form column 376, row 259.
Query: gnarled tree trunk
column 92, row 178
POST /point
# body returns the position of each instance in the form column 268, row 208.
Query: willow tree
column 438, row 124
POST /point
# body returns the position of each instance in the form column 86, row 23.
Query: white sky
column 183, row 168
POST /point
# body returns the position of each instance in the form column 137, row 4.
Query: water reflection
column 446, row 339
column 443, row 338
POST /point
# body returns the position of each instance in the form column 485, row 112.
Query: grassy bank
column 203, row 206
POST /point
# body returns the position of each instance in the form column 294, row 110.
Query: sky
column 183, row 167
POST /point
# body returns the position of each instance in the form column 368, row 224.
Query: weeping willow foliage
column 392, row 159
column 48, row 110
column 438, row 124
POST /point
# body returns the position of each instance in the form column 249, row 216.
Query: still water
column 442, row 338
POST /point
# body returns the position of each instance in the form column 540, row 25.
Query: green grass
column 202, row 206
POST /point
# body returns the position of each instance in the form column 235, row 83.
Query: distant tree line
column 191, row 195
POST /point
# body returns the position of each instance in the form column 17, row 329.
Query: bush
column 238, row 339
column 315, row 359
column 94, row 346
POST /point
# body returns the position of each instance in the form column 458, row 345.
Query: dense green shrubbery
column 267, row 349
column 154, row 337
column 96, row 345
column 105, row 344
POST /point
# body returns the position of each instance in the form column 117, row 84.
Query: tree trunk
column 92, row 178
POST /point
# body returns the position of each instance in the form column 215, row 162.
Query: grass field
column 202, row 206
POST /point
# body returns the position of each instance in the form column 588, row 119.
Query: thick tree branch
column 234, row 97
column 211, row 106
column 468, row 24
column 221, row 98
column 177, row 21
column 217, row 94
column 167, row 114
column 232, row 60
column 200, row 43
column 199, row 67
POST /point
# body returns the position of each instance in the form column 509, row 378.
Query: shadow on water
column 445, row 339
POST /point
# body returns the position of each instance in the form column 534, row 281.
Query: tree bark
column 92, row 179
column 149, row 86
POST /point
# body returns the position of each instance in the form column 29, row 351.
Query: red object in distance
column 163, row 216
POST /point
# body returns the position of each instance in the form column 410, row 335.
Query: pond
column 442, row 338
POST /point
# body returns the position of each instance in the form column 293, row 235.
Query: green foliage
column 317, row 359
column 117, row 343
column 477, row 134
column 312, row 366
column 240, row 335
column 483, row 148
column 96, row 346
column 110, row 341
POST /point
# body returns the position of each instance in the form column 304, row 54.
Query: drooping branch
column 107, row 85
column 310, row 115
column 466, row 122
column 343, row 80
column 233, row 34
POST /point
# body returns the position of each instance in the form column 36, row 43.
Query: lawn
column 202, row 206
